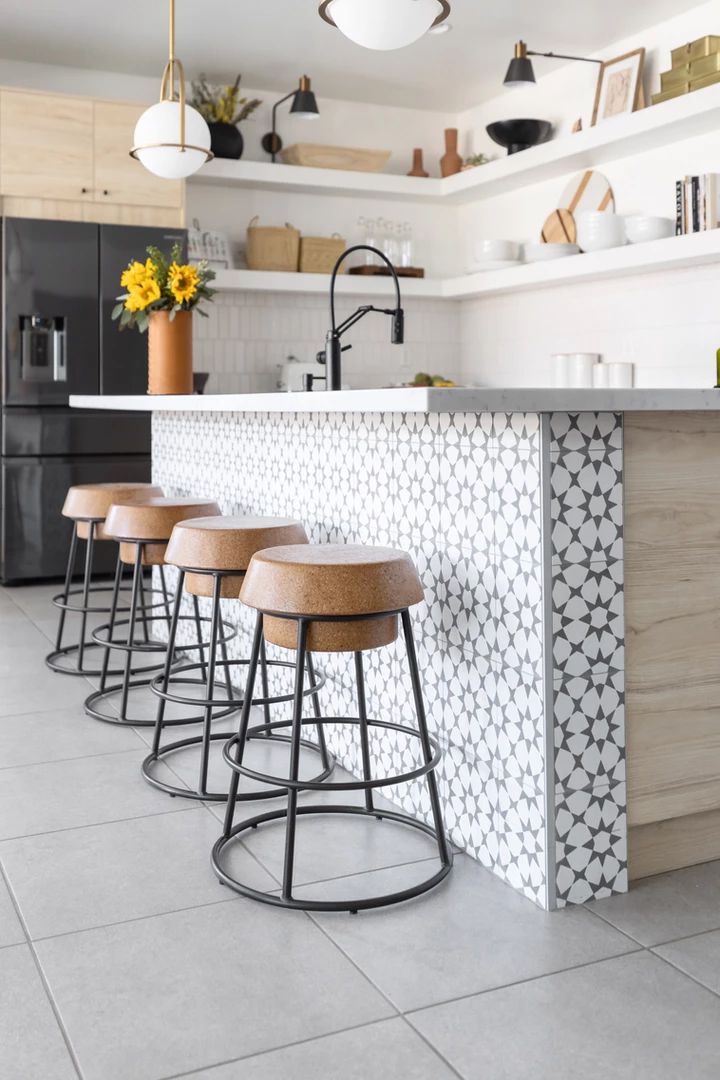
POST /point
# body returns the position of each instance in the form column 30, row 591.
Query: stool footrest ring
column 251, row 796
column 348, row 785
column 225, row 665
column 362, row 903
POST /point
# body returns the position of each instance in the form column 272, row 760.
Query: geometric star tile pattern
column 586, row 487
column 462, row 493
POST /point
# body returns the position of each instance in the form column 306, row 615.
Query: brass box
column 667, row 95
column 694, row 50
column 706, row 65
column 707, row 80
column 675, row 77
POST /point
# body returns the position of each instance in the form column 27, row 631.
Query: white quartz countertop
column 417, row 399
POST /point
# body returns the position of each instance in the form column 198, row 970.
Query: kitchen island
column 566, row 541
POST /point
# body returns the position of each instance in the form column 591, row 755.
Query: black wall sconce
column 520, row 70
column 304, row 105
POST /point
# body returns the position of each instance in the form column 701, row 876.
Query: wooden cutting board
column 559, row 228
column 589, row 190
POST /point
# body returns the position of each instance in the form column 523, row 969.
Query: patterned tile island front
column 514, row 520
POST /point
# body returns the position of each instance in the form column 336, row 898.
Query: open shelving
column 676, row 252
column 651, row 128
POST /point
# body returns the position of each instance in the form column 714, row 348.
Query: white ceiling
column 273, row 41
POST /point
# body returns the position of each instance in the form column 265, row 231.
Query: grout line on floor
column 617, row 929
column 61, row 760
column 528, row 979
column 65, row 1035
column 284, row 1046
column 682, row 971
column 91, row 825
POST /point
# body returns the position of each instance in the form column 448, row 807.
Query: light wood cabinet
column 67, row 158
column 118, row 178
column 46, row 146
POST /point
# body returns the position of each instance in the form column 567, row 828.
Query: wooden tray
column 383, row 271
column 335, row 157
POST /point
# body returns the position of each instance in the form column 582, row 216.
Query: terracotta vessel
column 170, row 353
column 451, row 162
column 418, row 169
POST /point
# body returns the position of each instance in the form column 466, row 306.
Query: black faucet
column 331, row 355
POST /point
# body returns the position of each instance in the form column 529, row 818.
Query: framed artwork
column 619, row 86
column 209, row 245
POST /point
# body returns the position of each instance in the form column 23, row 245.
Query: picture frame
column 619, row 87
column 212, row 246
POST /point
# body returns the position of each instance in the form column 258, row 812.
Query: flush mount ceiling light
column 171, row 138
column 384, row 24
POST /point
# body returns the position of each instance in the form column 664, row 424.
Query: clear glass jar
column 406, row 244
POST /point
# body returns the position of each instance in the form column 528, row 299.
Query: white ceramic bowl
column 642, row 227
column 597, row 231
column 494, row 251
column 544, row 252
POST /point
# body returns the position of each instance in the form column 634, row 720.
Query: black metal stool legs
column 164, row 685
column 292, row 795
column 72, row 555
column 430, row 754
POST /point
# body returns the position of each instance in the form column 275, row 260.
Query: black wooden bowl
column 517, row 135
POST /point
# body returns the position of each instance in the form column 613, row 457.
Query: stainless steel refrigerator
column 59, row 283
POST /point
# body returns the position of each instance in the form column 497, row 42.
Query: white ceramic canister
column 600, row 376
column 620, row 376
column 560, row 368
column 580, row 368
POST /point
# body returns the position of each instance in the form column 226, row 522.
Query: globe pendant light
column 171, row 138
column 384, row 24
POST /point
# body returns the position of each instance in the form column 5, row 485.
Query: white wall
column 666, row 323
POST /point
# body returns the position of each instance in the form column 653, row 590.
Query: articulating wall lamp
column 520, row 70
column 171, row 138
column 379, row 24
column 304, row 105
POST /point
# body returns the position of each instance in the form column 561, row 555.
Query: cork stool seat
column 142, row 530
column 87, row 505
column 332, row 598
column 211, row 555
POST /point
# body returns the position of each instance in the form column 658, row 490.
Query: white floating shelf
column 347, row 284
column 676, row 252
column 265, row 176
column 657, row 126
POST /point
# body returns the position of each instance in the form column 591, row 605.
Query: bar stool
column 87, row 505
column 142, row 531
column 212, row 555
column 331, row 598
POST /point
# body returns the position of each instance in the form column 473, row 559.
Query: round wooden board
column 588, row 190
column 559, row 228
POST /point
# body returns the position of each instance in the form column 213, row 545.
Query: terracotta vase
column 450, row 162
column 170, row 353
column 418, row 169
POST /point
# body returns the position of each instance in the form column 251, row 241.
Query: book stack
column 696, row 204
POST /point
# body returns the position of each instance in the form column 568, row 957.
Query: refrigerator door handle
column 60, row 360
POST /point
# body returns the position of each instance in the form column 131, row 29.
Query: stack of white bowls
column 492, row 254
column 598, row 230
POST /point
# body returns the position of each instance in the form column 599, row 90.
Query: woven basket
column 270, row 247
column 318, row 254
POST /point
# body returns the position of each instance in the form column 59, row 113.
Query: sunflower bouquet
column 161, row 283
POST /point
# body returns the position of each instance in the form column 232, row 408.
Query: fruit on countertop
column 422, row 379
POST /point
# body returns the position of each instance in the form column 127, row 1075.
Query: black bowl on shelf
column 516, row 135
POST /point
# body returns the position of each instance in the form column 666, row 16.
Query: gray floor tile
column 473, row 933
column 42, row 692
column 33, row 738
column 698, row 956
column 31, row 1045
column 11, row 932
column 82, row 878
column 632, row 1018
column 388, row 1048
column 84, row 791
column 200, row 987
column 668, row 906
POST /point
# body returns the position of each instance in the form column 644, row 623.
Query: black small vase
column 226, row 140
